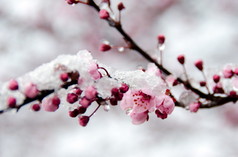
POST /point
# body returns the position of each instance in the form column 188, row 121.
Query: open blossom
column 139, row 103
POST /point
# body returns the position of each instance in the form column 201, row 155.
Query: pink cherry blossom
column 137, row 100
column 139, row 103
column 31, row 90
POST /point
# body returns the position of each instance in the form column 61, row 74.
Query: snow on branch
column 76, row 81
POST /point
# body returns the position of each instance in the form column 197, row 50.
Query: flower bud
column 13, row 85
column 216, row 78
column 161, row 39
column 181, row 59
column 83, row 120
column 11, row 102
column 31, row 90
column 56, row 100
column 85, row 102
column 124, row 88
column 35, row 107
column 120, row 6
column 77, row 91
column 233, row 94
column 104, row 14
column 218, row 89
column 115, row 91
column 228, row 72
column 74, row 113
column 82, row 109
column 113, row 101
column 203, row 83
column 70, row 2
column 64, row 77
column 199, row 64
column 72, row 98
column 104, row 47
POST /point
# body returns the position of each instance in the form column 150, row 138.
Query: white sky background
column 33, row 32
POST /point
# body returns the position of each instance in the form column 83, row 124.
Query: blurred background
column 33, row 32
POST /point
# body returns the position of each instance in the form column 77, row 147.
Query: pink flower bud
column 216, row 78
column 56, row 100
column 104, row 14
column 64, row 77
column 227, row 72
column 175, row 82
column 11, row 102
column 120, row 6
column 51, row 104
column 119, row 96
column 13, row 85
column 104, row 47
column 113, row 101
column 35, row 107
column 74, row 113
column 124, row 88
column 161, row 39
column 218, row 88
column 85, row 102
column 90, row 93
column 203, row 83
column 83, row 120
column 72, row 98
column 70, row 2
column 199, row 64
column 31, row 90
column 82, row 109
column 194, row 106
column 233, row 94
column 77, row 91
column 115, row 91
column 181, row 59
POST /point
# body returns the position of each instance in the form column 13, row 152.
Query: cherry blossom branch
column 215, row 100
column 139, row 92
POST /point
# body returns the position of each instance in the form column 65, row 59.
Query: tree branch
column 214, row 100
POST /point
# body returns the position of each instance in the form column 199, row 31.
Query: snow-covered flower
column 138, row 103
